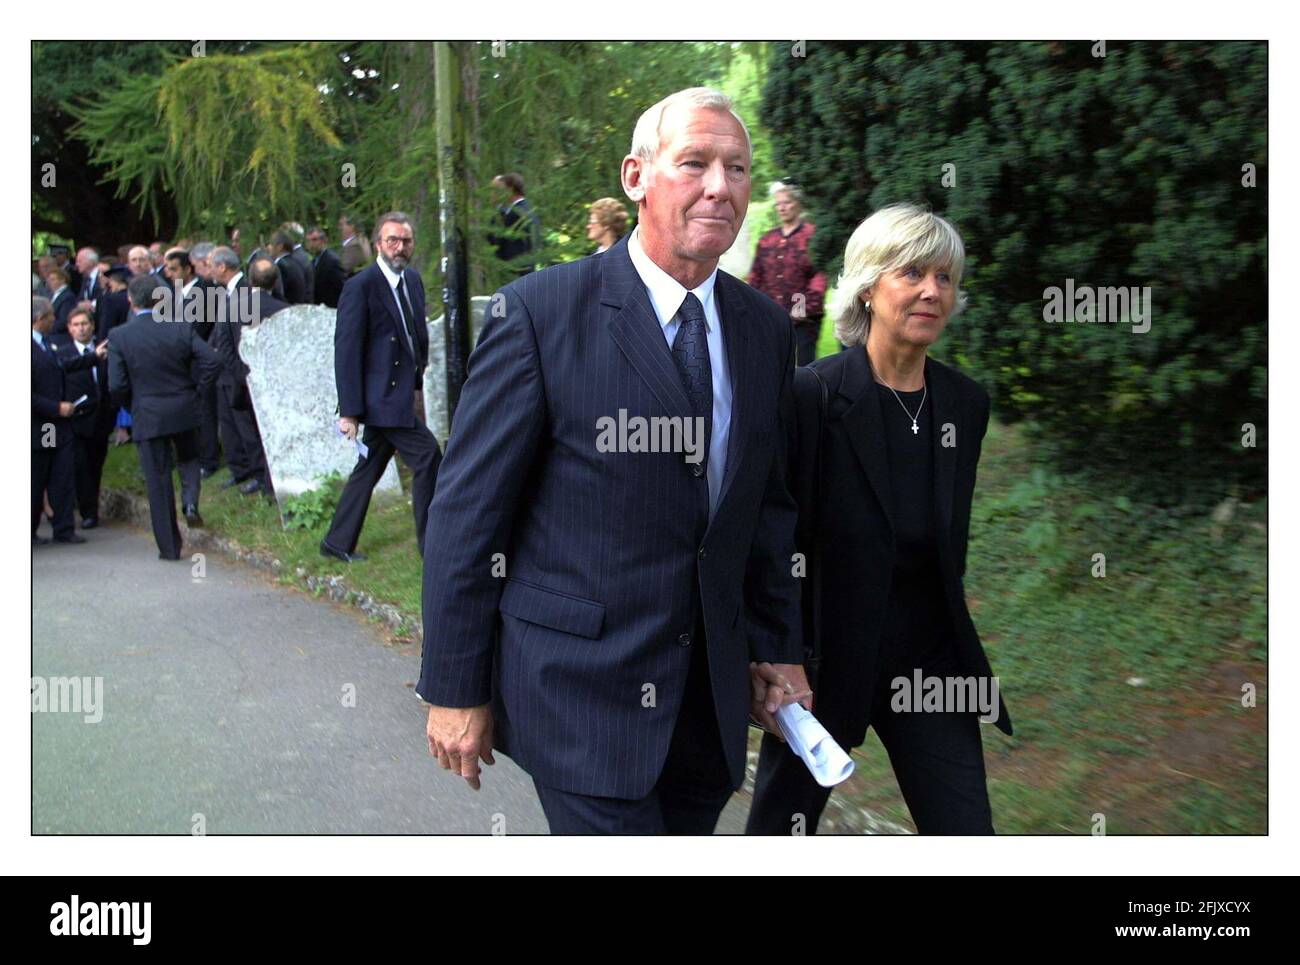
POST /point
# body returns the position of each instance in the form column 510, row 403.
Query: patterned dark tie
column 691, row 353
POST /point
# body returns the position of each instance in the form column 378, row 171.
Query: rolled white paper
column 815, row 747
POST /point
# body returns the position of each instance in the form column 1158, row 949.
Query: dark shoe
column 327, row 550
column 74, row 538
column 169, row 559
column 250, row 487
column 192, row 517
column 206, row 473
column 90, row 522
column 39, row 540
column 232, row 481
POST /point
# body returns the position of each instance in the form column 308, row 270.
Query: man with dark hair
column 291, row 275
column 63, row 298
column 114, row 306
column 52, row 454
column 381, row 346
column 155, row 369
column 303, row 260
column 239, row 432
column 355, row 253
column 209, row 419
column 523, row 228
column 328, row 270
column 93, row 421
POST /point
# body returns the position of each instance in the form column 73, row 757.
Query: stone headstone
column 291, row 360
column 435, row 375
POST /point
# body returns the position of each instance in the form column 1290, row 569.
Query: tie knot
column 691, row 310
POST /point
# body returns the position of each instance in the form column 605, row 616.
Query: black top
column 916, row 627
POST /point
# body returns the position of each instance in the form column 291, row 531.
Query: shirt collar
column 392, row 276
column 190, row 284
column 38, row 338
column 666, row 292
column 230, row 285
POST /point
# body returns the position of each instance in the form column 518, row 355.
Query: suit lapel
column 866, row 428
column 943, row 398
column 636, row 331
column 733, row 310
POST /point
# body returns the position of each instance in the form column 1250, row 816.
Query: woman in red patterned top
column 783, row 271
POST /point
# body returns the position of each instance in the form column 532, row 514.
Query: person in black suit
column 93, row 421
column 292, row 279
column 381, row 346
column 114, row 306
column 648, row 607
column 328, row 270
column 885, row 470
column 197, row 303
column 239, row 433
column 522, row 237
column 52, row 445
column 92, row 286
column 155, row 369
column 262, row 274
column 63, row 298
column 302, row 258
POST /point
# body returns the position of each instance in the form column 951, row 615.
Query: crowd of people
column 182, row 401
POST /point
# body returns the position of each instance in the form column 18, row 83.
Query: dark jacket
column 293, row 280
column 304, row 262
column 329, row 278
column 151, row 367
column 49, row 388
column 374, row 372
column 112, row 310
column 845, row 530
column 98, row 414
column 611, row 564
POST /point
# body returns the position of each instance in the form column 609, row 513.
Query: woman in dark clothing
column 884, row 470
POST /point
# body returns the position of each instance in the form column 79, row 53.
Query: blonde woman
column 606, row 223
column 884, row 471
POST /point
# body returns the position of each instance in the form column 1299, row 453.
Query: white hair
column 778, row 187
column 898, row 236
column 646, row 140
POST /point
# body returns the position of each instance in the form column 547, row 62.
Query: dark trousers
column 805, row 342
column 240, row 437
column 209, row 440
column 156, row 463
column 938, row 759
column 692, row 789
column 52, row 472
column 89, row 453
column 419, row 450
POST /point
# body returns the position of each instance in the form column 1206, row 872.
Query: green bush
column 314, row 509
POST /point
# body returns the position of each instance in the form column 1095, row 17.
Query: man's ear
column 634, row 177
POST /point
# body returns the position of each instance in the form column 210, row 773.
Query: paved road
column 223, row 696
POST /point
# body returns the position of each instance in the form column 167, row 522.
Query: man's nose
column 715, row 181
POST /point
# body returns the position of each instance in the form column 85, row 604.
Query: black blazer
column 98, row 415
column 845, row 530
column 149, row 372
column 235, row 314
column 329, row 278
column 610, row 556
column 303, row 261
column 112, row 310
column 374, row 372
column 292, row 279
column 49, row 388
column 63, row 304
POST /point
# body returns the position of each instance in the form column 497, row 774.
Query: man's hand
column 66, row 408
column 120, row 436
column 773, row 685
column 348, row 426
column 459, row 736
column 101, row 350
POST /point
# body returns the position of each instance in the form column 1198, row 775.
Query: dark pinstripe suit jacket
column 583, row 646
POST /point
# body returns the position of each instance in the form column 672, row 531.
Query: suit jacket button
column 397, row 361
column 393, row 384
column 684, row 639
column 697, row 470
column 392, row 338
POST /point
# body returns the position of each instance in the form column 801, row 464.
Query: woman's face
column 594, row 228
column 911, row 305
column 787, row 208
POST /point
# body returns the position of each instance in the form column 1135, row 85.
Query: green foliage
column 1123, row 170
column 314, row 509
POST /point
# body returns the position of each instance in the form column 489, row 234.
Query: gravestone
column 435, row 374
column 291, row 361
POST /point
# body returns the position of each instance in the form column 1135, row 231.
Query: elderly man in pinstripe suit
column 608, row 616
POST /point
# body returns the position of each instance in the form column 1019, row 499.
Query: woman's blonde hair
column 611, row 214
column 898, row 236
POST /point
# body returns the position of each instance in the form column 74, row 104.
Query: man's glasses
column 393, row 240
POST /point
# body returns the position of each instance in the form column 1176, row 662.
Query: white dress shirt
column 409, row 311
column 666, row 296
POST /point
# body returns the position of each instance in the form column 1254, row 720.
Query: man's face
column 83, row 262
column 156, row 254
column 80, row 328
column 345, row 228
column 139, row 261
column 179, row 274
column 201, row 267
column 53, row 282
column 315, row 242
column 396, row 241
column 697, row 188
column 45, row 324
